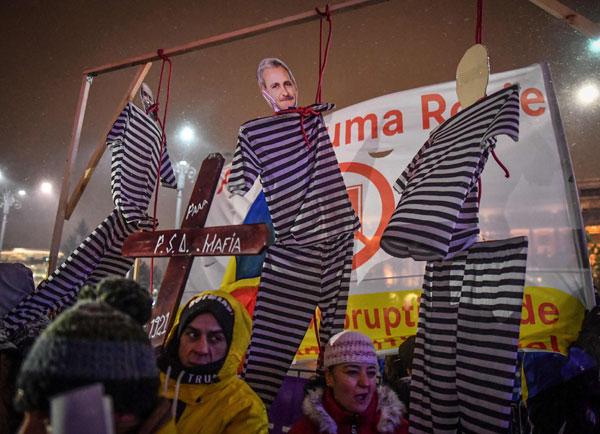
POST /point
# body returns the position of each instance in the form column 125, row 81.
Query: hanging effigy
column 310, row 262
column 437, row 215
column 137, row 160
column 465, row 357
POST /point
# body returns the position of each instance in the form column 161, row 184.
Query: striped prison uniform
column 135, row 142
column 310, row 262
column 465, row 358
column 437, row 215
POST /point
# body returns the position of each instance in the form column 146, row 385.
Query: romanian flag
column 242, row 276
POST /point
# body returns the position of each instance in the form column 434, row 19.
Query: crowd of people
column 97, row 352
column 92, row 368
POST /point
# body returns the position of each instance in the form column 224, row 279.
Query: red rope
column 506, row 172
column 479, row 25
column 304, row 112
column 163, row 142
column 326, row 14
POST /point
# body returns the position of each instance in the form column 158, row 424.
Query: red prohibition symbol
column 386, row 195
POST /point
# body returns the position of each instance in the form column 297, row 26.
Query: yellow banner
column 550, row 320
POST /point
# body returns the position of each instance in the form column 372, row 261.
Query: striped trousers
column 465, row 354
column 294, row 281
column 98, row 256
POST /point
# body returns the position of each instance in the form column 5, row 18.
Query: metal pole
column 4, row 219
column 8, row 200
column 180, row 185
column 183, row 169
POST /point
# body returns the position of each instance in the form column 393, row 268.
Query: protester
column 16, row 283
column 564, row 390
column 397, row 372
column 350, row 402
column 91, row 343
column 199, row 366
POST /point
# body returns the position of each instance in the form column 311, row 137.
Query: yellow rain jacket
column 228, row 404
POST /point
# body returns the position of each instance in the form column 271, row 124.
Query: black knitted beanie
column 91, row 342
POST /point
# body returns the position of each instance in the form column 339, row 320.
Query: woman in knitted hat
column 351, row 402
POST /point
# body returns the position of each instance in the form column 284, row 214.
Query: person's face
column 353, row 385
column 280, row 87
column 202, row 342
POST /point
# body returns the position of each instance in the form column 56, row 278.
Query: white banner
column 375, row 140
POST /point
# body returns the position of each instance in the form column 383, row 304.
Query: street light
column 183, row 169
column 588, row 93
column 186, row 134
column 8, row 199
column 46, row 187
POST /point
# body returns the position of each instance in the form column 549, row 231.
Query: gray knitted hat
column 91, row 343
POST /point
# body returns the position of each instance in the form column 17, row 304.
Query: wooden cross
column 193, row 239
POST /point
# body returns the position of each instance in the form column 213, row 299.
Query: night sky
column 387, row 47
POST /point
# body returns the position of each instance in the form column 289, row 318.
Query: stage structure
column 67, row 203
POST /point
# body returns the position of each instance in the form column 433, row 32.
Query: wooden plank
column 236, row 240
column 178, row 269
column 101, row 146
column 226, row 38
column 66, row 184
column 564, row 13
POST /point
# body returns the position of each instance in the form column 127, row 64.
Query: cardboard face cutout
column 147, row 99
column 472, row 75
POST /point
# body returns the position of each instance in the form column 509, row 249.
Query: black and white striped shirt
column 437, row 215
column 135, row 142
column 303, row 184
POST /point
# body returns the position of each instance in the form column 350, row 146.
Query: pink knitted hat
column 349, row 346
